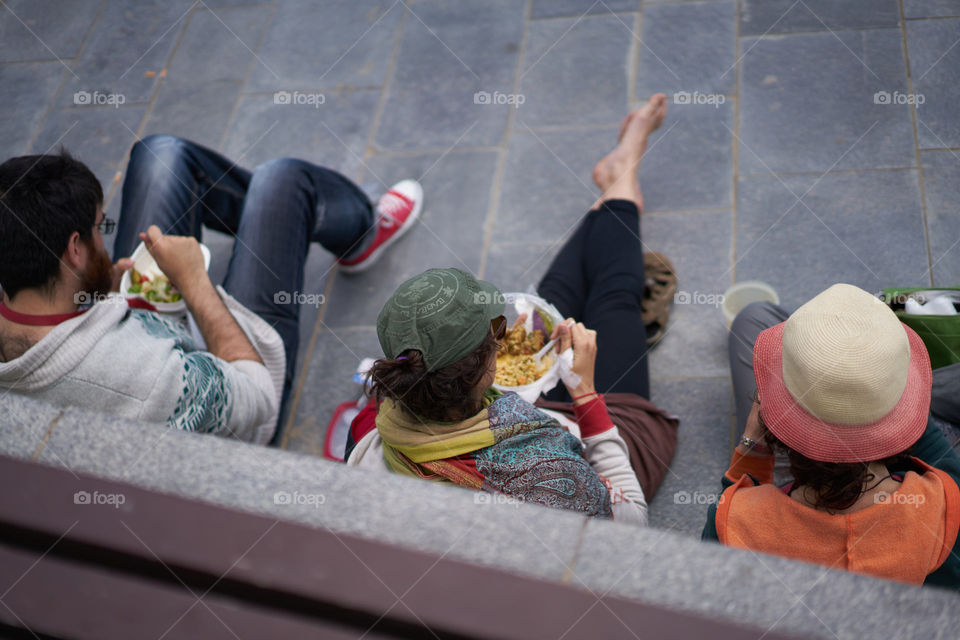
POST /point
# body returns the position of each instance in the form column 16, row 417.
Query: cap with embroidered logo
column 443, row 313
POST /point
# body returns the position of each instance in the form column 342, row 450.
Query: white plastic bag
column 528, row 303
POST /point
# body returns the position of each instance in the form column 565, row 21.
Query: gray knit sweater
column 141, row 365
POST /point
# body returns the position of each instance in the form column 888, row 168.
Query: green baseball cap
column 443, row 313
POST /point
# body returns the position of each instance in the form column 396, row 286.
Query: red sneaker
column 397, row 210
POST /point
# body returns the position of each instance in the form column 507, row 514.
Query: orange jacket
column 906, row 537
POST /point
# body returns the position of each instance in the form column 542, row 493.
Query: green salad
column 154, row 289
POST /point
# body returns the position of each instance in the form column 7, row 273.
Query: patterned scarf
column 509, row 447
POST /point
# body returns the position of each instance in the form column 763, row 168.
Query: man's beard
column 97, row 278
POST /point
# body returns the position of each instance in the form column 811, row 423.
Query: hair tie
column 401, row 358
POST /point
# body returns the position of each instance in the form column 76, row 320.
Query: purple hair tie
column 401, row 358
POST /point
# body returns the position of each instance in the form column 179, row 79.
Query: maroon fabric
column 650, row 434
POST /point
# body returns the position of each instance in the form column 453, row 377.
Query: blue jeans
column 274, row 213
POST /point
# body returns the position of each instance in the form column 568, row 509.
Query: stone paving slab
column 688, row 47
column 762, row 17
column 829, row 217
column 814, row 102
column 935, row 69
column 352, row 49
column 26, row 86
column 703, row 451
column 699, row 245
column 696, row 141
column 197, row 113
column 99, row 136
column 127, row 49
column 444, row 60
column 331, row 134
column 40, row 29
column 575, row 71
column 576, row 8
column 930, row 8
column 547, row 186
column 941, row 177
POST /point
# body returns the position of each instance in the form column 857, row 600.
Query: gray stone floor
column 793, row 151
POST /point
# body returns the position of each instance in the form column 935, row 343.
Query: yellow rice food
column 515, row 364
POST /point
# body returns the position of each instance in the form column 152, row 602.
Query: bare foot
column 624, row 160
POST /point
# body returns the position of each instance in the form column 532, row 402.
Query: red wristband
column 592, row 393
column 593, row 417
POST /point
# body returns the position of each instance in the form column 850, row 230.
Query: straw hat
column 843, row 380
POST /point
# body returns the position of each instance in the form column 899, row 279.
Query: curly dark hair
column 445, row 395
column 836, row 485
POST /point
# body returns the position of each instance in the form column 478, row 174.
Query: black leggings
column 598, row 279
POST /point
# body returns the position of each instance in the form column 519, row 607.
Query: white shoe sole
column 404, row 228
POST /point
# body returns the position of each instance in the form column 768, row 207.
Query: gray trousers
column 757, row 316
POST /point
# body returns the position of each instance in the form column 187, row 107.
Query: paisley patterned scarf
column 509, row 447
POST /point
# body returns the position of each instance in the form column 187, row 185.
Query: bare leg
column 616, row 173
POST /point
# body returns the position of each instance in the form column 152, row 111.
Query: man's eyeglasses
column 106, row 226
column 498, row 326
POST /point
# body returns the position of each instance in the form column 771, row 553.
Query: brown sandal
column 661, row 281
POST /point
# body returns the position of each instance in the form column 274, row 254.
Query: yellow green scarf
column 509, row 447
column 421, row 440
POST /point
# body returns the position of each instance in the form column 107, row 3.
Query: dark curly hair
column 836, row 485
column 445, row 395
